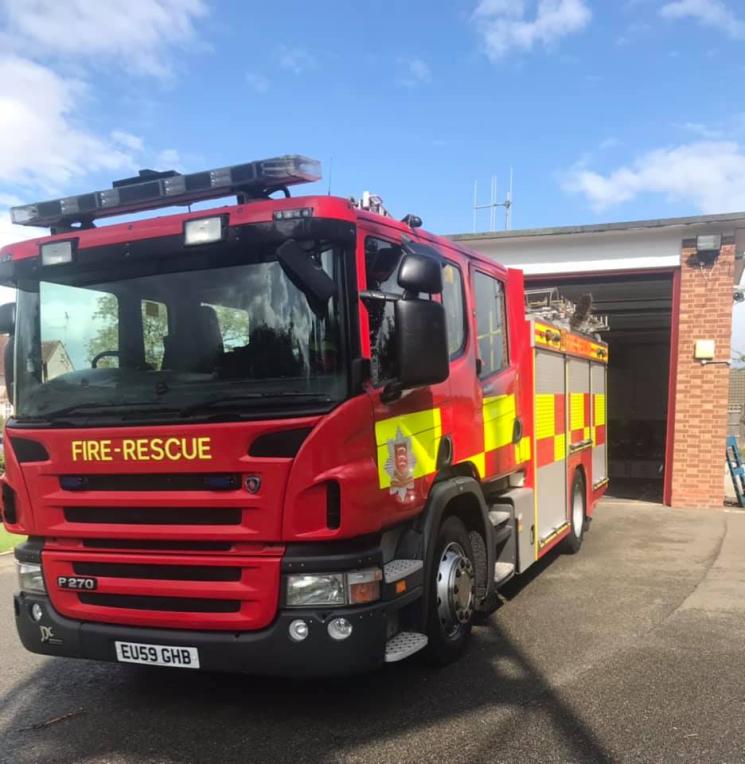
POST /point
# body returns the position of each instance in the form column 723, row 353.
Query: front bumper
column 269, row 651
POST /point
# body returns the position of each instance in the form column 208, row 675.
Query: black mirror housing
column 7, row 318
column 421, row 343
column 309, row 278
column 419, row 273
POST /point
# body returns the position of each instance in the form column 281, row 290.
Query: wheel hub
column 455, row 588
column 578, row 511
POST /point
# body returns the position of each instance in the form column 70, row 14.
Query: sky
column 605, row 111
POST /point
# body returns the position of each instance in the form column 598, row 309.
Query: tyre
column 452, row 593
column 578, row 515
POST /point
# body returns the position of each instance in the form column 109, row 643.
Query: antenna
column 493, row 204
column 331, row 172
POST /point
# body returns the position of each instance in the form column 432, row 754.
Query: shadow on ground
column 135, row 714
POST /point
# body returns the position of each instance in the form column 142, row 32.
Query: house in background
column 55, row 361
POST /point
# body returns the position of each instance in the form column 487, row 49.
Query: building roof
column 737, row 218
column 48, row 347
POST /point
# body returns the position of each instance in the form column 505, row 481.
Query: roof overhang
column 626, row 246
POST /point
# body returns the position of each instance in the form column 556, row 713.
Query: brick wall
column 700, row 424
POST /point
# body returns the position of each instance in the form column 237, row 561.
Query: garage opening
column 639, row 311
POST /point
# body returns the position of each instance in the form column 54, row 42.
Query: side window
column 452, row 300
column 491, row 323
column 382, row 259
column 154, row 329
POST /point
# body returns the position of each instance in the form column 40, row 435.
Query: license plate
column 157, row 655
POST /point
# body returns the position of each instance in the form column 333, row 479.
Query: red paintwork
column 291, row 505
column 257, row 590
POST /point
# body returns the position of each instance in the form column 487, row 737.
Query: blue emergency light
column 150, row 190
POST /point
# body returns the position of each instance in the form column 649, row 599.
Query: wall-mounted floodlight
column 708, row 247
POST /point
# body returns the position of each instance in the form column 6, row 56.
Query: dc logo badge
column 400, row 466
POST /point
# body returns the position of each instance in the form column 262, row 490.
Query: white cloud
column 136, row 34
column 41, row 144
column 258, row 82
column 294, row 59
column 504, row 25
column 127, row 140
column 707, row 174
column 712, row 13
column 169, row 159
column 414, row 71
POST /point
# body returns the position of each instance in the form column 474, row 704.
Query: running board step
column 395, row 570
column 503, row 572
column 498, row 517
column 404, row 644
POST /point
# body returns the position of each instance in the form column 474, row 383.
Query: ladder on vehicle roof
column 736, row 469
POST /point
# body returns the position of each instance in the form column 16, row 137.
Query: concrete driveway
column 633, row 650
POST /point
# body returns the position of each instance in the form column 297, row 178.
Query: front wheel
column 453, row 593
column 573, row 541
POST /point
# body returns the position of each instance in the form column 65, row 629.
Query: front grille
column 169, row 590
column 186, row 481
column 163, row 604
column 157, row 572
column 159, row 546
column 153, row 515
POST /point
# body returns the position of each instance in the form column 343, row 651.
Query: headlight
column 30, row 577
column 334, row 589
column 320, row 589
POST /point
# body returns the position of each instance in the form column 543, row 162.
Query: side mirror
column 421, row 343
column 419, row 273
column 7, row 318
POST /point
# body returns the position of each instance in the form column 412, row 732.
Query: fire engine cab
column 290, row 436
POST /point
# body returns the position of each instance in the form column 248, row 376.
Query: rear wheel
column 578, row 508
column 453, row 593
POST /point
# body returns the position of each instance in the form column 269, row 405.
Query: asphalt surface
column 633, row 650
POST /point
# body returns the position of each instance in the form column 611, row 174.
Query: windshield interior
column 223, row 330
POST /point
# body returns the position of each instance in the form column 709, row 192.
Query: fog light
column 36, row 612
column 298, row 630
column 339, row 628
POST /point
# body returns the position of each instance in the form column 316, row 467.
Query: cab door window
column 491, row 323
column 382, row 260
column 454, row 304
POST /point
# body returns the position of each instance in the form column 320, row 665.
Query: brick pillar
column 700, row 426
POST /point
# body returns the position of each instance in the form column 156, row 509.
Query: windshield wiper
column 263, row 398
column 110, row 408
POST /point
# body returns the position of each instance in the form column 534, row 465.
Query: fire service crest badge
column 400, row 466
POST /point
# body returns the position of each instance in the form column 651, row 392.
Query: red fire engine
column 288, row 436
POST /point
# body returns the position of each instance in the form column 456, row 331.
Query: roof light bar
column 150, row 190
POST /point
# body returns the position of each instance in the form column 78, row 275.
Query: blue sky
column 605, row 110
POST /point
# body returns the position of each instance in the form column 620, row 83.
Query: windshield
column 173, row 335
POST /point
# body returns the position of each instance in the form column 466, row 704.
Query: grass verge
column 8, row 540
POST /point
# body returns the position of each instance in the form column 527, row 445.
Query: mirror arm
column 392, row 391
